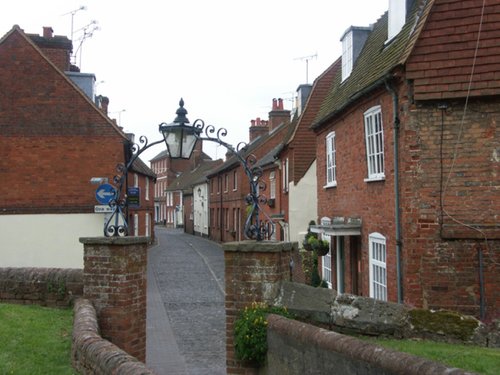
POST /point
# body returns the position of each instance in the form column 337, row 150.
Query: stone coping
column 130, row 240
column 260, row 246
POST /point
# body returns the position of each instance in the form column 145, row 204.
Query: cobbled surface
column 189, row 273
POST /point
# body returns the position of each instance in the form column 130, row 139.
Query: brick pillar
column 114, row 279
column 253, row 272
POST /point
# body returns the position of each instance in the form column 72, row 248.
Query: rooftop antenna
column 88, row 32
column 73, row 12
column 307, row 58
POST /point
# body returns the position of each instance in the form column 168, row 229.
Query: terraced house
column 407, row 158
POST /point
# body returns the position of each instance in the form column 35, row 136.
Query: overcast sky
column 228, row 59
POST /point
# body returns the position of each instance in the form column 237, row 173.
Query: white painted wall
column 200, row 208
column 303, row 204
column 48, row 240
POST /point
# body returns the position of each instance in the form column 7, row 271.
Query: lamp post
column 180, row 138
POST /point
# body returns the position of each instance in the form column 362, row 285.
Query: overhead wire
column 458, row 141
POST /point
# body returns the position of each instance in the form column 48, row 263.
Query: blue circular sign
column 105, row 193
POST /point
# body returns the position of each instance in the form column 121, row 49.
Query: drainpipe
column 395, row 109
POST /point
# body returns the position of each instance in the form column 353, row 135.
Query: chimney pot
column 48, row 32
column 104, row 104
column 280, row 104
column 252, row 122
column 275, row 105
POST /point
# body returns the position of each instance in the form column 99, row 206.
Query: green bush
column 250, row 331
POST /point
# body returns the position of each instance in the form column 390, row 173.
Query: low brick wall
column 300, row 348
column 91, row 354
column 53, row 287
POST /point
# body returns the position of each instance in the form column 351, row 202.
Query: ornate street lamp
column 180, row 138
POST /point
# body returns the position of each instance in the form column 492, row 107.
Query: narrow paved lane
column 186, row 317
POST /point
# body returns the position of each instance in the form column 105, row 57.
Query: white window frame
column 146, row 194
column 374, row 141
column 347, row 55
column 331, row 161
column 378, row 266
column 136, row 180
column 147, row 221
column 326, row 261
column 235, row 180
column 136, row 225
column 285, row 175
column 272, row 185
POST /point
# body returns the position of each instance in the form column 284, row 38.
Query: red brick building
column 55, row 136
column 229, row 184
column 297, row 158
column 407, row 159
column 167, row 170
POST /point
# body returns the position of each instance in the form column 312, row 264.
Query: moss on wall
column 443, row 322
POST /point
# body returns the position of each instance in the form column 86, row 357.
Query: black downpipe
column 221, row 212
column 481, row 283
column 399, row 272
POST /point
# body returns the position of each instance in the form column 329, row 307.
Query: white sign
column 102, row 208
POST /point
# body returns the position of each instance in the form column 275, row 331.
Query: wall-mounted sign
column 134, row 197
column 103, row 208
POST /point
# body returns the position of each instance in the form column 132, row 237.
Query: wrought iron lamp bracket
column 116, row 224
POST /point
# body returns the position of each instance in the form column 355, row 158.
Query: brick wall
column 451, row 200
column 54, row 287
column 373, row 202
column 298, row 348
column 91, row 354
column 56, row 139
column 115, row 281
column 253, row 271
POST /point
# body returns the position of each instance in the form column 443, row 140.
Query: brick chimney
column 278, row 115
column 48, row 32
column 57, row 48
column 258, row 127
column 103, row 103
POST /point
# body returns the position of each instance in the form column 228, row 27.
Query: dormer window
column 353, row 41
column 397, row 17
column 346, row 54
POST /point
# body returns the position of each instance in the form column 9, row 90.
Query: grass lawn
column 35, row 340
column 472, row 358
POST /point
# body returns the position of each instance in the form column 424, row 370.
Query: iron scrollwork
column 255, row 228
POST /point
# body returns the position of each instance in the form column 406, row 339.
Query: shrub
column 250, row 331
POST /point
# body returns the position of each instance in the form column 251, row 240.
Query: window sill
column 375, row 178
column 330, row 185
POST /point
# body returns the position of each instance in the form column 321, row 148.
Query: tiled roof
column 161, row 155
column 376, row 60
column 253, row 147
column 189, row 178
column 270, row 156
column 140, row 167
